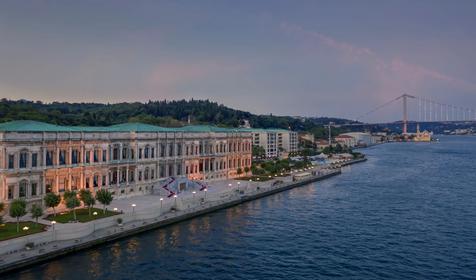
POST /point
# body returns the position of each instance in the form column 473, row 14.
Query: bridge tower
column 404, row 98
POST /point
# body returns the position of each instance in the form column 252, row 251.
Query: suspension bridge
column 425, row 110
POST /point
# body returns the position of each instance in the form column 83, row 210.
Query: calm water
column 408, row 213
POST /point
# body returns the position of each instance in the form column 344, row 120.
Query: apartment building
column 276, row 142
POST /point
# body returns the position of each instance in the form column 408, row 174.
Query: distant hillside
column 163, row 113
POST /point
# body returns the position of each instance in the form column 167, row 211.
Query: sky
column 307, row 58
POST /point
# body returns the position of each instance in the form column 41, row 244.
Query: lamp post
column 194, row 192
column 161, row 200
column 175, row 202
column 205, row 190
column 133, row 208
column 53, row 225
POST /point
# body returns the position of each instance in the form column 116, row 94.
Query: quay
column 79, row 236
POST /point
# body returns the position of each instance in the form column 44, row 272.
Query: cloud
column 393, row 76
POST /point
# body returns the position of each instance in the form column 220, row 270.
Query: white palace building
column 37, row 158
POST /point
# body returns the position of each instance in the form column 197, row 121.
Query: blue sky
column 311, row 58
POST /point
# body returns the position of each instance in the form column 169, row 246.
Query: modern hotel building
column 276, row 142
column 37, row 158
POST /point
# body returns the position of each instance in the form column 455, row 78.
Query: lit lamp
column 229, row 185
column 26, row 228
column 95, row 213
column 115, row 209
column 194, row 192
column 133, row 207
column 161, row 200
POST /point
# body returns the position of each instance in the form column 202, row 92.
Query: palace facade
column 37, row 158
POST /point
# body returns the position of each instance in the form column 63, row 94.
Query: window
column 96, row 155
column 152, row 152
column 171, row 150
column 140, row 153
column 146, row 174
column 123, row 175
column 74, row 156
column 34, row 189
column 62, row 157
column 140, row 175
column 103, row 181
column 11, row 161
column 131, row 175
column 23, row 159
column 87, row 183
column 179, row 169
column 11, row 190
column 49, row 186
column 146, row 152
column 104, row 154
column 62, row 184
column 22, row 189
column 162, row 150
column 124, row 153
column 88, row 155
column 171, row 170
column 132, row 153
column 115, row 153
column 95, row 181
column 152, row 174
column 179, row 150
column 34, row 160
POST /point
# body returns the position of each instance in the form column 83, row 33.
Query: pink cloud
column 393, row 76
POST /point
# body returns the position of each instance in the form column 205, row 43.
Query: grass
column 82, row 215
column 9, row 230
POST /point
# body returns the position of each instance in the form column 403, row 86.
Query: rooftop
column 36, row 126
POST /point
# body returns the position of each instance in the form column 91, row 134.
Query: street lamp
column 133, row 207
column 194, row 192
column 26, row 228
column 175, row 197
column 95, row 213
column 205, row 190
column 53, row 224
column 161, row 200
column 115, row 209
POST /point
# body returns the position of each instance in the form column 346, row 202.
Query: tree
column 17, row 210
column 2, row 207
column 258, row 151
column 104, row 197
column 72, row 202
column 52, row 200
column 88, row 199
column 247, row 169
column 68, row 194
column 36, row 212
column 239, row 171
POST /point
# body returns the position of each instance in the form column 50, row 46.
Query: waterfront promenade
column 149, row 212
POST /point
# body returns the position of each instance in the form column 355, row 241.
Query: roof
column 35, row 126
column 344, row 136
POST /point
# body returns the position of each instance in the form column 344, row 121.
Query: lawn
column 9, row 230
column 82, row 215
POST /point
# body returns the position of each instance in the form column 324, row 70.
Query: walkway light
column 194, row 192
column 229, row 185
column 115, row 209
column 26, row 228
column 239, row 183
column 133, row 207
column 95, row 213
column 53, row 222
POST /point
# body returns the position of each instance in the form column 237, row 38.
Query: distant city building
column 354, row 139
column 346, row 140
column 37, row 158
column 275, row 142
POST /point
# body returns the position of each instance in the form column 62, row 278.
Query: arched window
column 23, row 158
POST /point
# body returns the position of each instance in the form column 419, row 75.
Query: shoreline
column 23, row 258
